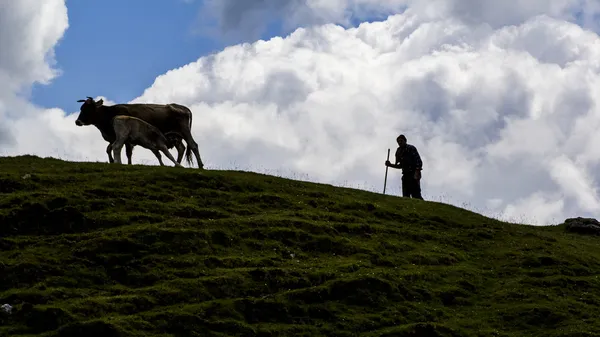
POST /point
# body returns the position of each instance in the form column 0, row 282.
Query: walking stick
column 386, row 171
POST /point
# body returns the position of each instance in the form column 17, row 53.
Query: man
column 408, row 159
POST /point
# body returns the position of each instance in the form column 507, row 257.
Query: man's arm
column 417, row 158
column 398, row 164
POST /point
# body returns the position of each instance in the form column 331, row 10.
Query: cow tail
column 188, row 150
column 188, row 154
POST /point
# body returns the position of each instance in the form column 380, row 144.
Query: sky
column 500, row 98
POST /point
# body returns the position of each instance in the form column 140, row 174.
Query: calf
column 174, row 139
column 134, row 131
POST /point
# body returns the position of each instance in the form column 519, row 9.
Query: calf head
column 89, row 112
column 172, row 139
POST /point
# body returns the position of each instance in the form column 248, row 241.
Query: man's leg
column 416, row 188
column 406, row 185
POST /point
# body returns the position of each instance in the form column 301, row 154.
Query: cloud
column 6, row 136
column 244, row 20
column 541, row 208
column 29, row 30
column 575, row 182
column 512, row 12
column 503, row 110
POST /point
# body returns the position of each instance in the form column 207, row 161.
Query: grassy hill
column 92, row 249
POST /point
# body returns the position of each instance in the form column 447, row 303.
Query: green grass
column 93, row 249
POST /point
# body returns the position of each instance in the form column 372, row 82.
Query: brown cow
column 135, row 131
column 168, row 118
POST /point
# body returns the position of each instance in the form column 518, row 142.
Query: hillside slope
column 92, row 249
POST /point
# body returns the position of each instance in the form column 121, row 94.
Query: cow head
column 89, row 112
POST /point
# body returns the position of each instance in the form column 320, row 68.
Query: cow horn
column 81, row 100
column 91, row 99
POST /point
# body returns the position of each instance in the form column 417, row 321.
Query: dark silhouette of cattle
column 171, row 119
column 135, row 131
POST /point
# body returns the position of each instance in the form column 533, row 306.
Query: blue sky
column 116, row 49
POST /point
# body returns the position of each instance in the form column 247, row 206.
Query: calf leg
column 117, row 146
column 165, row 150
column 129, row 152
column 157, row 154
column 108, row 151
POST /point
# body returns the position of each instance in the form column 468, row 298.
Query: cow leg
column 180, row 150
column 165, row 150
column 117, row 146
column 129, row 152
column 192, row 146
column 108, row 151
column 197, row 154
column 157, row 154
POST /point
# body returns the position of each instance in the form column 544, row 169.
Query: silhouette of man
column 408, row 159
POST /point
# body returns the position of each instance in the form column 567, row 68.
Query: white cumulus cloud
column 500, row 99
column 248, row 19
column 29, row 30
